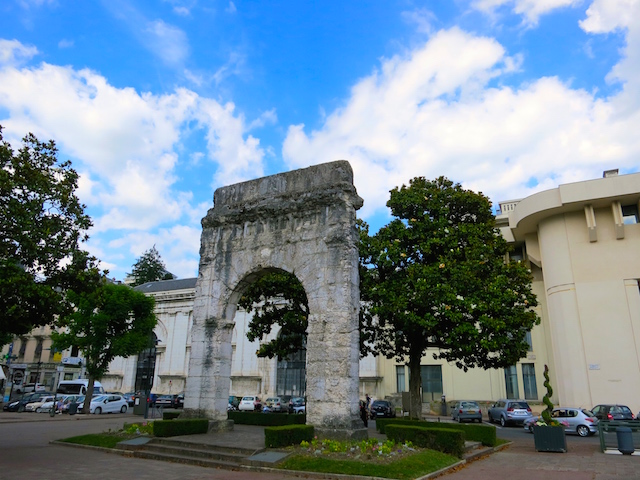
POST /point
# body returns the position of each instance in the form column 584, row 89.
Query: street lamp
column 151, row 355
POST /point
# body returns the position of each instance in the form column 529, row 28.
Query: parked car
column 575, row 420
column 508, row 411
column 18, row 405
column 180, row 400
column 275, row 404
column 169, row 401
column 106, row 404
column 250, row 404
column 234, row 402
column 130, row 398
column 299, row 409
column 296, row 403
column 30, row 388
column 381, row 409
column 466, row 410
column 35, row 405
column 607, row 412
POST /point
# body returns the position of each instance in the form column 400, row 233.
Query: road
column 25, row 452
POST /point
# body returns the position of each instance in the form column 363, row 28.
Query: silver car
column 465, row 410
column 508, row 411
column 575, row 420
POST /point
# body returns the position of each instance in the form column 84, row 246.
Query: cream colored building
column 582, row 243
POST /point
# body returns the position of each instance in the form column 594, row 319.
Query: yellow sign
column 57, row 357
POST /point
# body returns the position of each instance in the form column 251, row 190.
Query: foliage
column 278, row 298
column 415, row 465
column 257, row 418
column 173, row 428
column 287, row 435
column 436, row 277
column 440, row 439
column 150, row 268
column 546, row 413
column 169, row 415
column 107, row 321
column 144, row 428
column 41, row 223
column 476, row 433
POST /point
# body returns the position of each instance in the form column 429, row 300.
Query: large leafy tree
column 278, row 298
column 150, row 268
column 436, row 278
column 108, row 320
column 41, row 223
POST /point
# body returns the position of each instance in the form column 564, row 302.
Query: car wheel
column 97, row 411
column 459, row 419
column 530, row 428
column 583, row 430
column 123, row 409
column 38, row 410
column 503, row 422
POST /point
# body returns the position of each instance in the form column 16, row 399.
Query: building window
column 400, row 382
column 291, row 375
column 511, row 381
column 630, row 214
column 529, row 381
column 38, row 353
column 23, row 347
column 431, row 382
column 528, row 340
column 517, row 255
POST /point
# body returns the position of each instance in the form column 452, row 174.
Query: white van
column 78, row 387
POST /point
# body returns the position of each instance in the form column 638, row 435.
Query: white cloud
column 167, row 42
column 604, row 16
column 125, row 144
column 531, row 10
column 422, row 18
column 13, row 53
column 433, row 113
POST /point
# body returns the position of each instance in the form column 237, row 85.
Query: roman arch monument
column 302, row 222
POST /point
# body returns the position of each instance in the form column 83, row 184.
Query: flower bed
column 370, row 450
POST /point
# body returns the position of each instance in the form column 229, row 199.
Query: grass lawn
column 105, row 440
column 410, row 467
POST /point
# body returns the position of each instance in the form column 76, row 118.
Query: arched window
column 291, row 375
column 146, row 365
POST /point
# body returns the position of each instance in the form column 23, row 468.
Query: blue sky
column 157, row 103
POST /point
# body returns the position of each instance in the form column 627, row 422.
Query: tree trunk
column 86, row 409
column 415, row 382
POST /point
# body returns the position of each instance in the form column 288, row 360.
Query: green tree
column 436, row 278
column 107, row 321
column 150, row 268
column 41, row 223
column 277, row 298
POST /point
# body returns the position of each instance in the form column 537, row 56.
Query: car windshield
column 519, row 405
column 469, row 405
column 588, row 413
column 99, row 398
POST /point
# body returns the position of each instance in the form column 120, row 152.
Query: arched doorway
column 302, row 222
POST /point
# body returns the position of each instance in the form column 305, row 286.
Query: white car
column 34, row 406
column 250, row 404
column 106, row 404
column 66, row 400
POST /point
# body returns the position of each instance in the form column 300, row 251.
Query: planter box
column 549, row 439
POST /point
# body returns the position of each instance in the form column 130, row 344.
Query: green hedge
column 287, row 435
column 172, row 428
column 169, row 415
column 476, row 433
column 266, row 419
column 440, row 439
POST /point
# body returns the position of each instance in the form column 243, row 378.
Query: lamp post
column 151, row 355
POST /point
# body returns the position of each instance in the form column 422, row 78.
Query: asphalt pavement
column 25, row 452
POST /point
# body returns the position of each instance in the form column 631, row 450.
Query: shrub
column 440, row 439
column 287, row 435
column 172, row 428
column 477, row 433
column 266, row 419
column 170, row 415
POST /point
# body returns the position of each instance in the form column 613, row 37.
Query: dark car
column 129, row 397
column 166, row 401
column 606, row 413
column 295, row 403
column 18, row 405
column 381, row 409
column 180, row 400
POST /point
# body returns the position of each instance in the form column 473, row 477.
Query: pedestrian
column 59, row 405
column 364, row 415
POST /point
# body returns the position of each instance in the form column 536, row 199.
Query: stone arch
column 302, row 222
